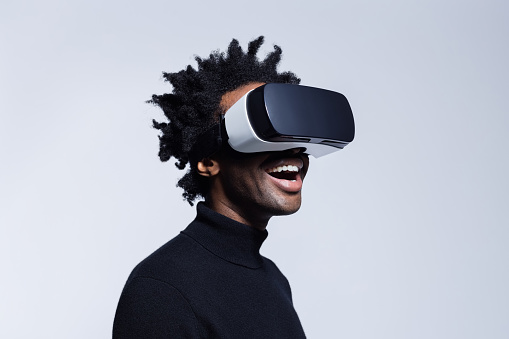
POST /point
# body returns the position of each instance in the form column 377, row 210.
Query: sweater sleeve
column 150, row 309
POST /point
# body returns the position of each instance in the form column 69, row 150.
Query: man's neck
column 235, row 213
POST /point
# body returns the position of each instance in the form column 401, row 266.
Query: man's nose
column 296, row 150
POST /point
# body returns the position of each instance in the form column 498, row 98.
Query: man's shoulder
column 170, row 258
column 275, row 272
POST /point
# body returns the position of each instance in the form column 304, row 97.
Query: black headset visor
column 282, row 112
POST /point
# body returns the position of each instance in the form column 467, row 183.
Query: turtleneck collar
column 226, row 238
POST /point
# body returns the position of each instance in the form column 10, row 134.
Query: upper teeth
column 289, row 168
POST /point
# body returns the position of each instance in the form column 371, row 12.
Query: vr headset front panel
column 276, row 117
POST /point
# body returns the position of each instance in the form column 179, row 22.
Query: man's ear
column 208, row 167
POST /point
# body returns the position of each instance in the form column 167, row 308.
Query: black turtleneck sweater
column 208, row 282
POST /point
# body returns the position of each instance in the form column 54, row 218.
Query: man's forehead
column 230, row 98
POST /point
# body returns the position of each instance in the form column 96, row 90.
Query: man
column 211, row 281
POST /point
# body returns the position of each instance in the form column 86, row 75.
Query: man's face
column 261, row 185
column 257, row 186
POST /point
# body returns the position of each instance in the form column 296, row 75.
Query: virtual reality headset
column 278, row 117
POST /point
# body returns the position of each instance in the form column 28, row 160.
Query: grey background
column 401, row 235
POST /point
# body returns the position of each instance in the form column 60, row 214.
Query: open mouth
column 286, row 172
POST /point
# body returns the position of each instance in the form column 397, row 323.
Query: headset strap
column 209, row 142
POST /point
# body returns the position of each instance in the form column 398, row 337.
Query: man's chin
column 287, row 207
column 288, row 212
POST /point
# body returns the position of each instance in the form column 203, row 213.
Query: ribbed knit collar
column 226, row 238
